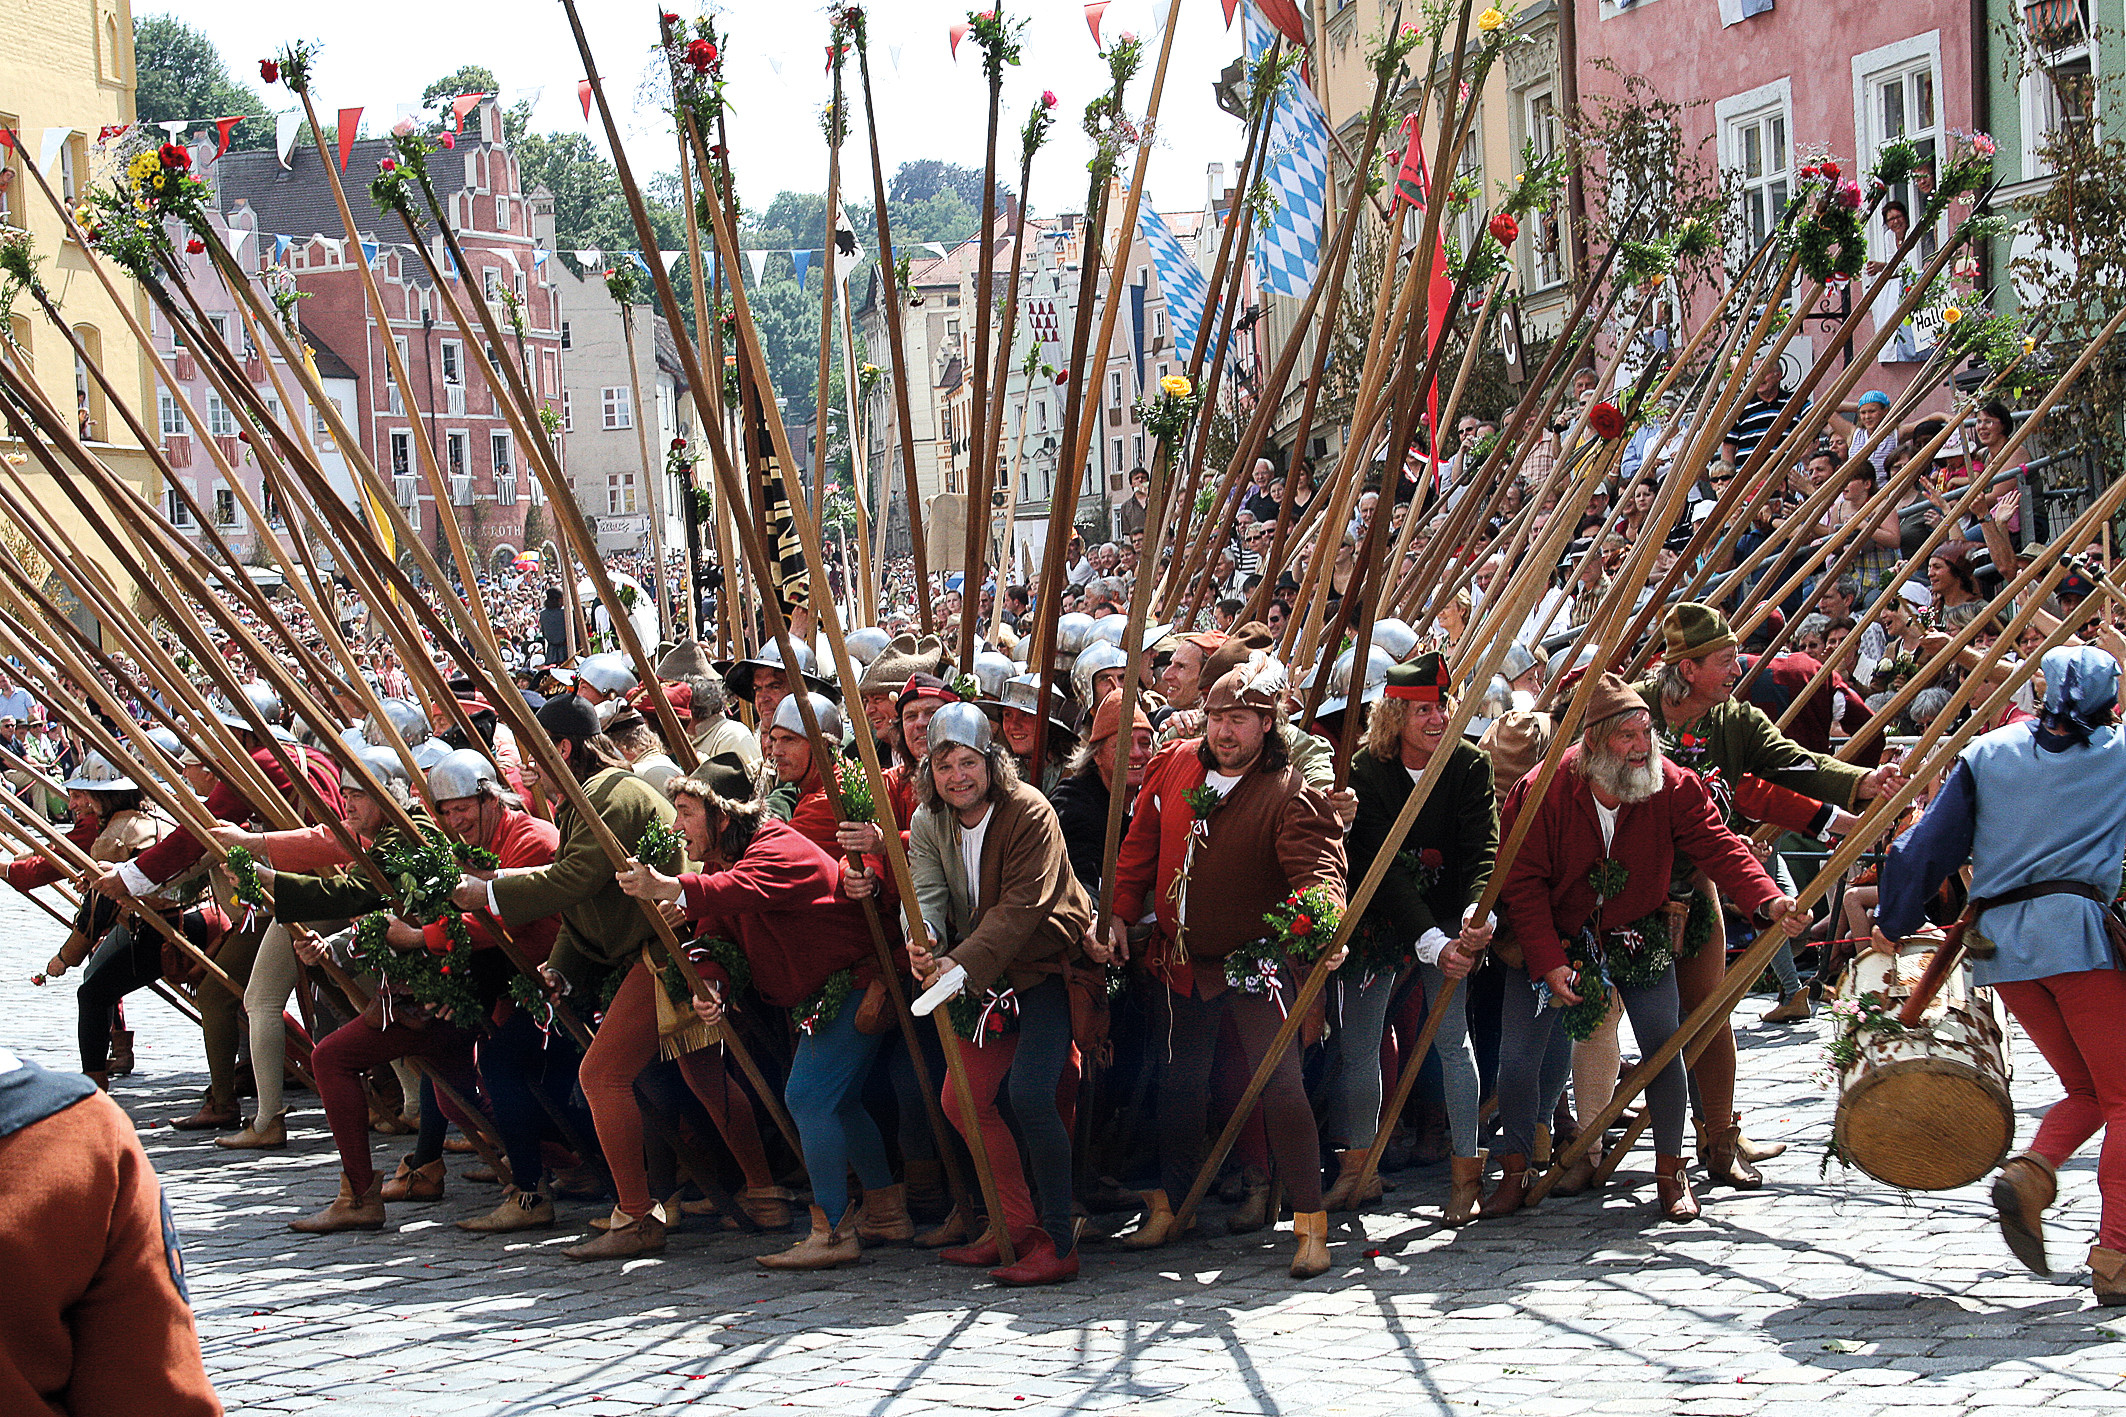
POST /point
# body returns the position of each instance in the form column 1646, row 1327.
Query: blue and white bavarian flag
column 1181, row 280
column 1288, row 241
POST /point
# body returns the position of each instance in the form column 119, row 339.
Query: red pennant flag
column 112, row 130
column 463, row 104
column 959, row 32
column 1285, row 15
column 7, row 139
column 350, row 124
column 1410, row 176
column 225, row 126
column 1413, row 184
column 583, row 92
column 1094, row 9
column 1230, row 7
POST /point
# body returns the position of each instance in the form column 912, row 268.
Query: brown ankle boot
column 1672, row 1189
column 954, row 1231
column 767, row 1206
column 826, row 1247
column 1159, row 1225
column 415, row 1183
column 267, row 1134
column 625, row 1238
column 928, row 1196
column 1312, row 1256
column 1512, row 1191
column 2107, row 1276
column 1723, row 1160
column 2025, row 1186
column 122, row 1052
column 1256, row 1209
column 1577, row 1178
column 1346, row 1194
column 348, row 1212
column 883, row 1220
column 1468, row 1188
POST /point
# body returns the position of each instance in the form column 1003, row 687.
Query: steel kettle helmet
column 462, row 773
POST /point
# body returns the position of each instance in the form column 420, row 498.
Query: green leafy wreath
column 825, row 1005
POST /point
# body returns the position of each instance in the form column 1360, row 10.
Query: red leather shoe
column 982, row 1254
column 1039, row 1264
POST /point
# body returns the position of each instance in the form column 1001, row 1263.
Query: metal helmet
column 1396, row 637
column 228, row 717
column 1519, row 660
column 1112, row 628
column 791, row 719
column 1374, row 685
column 963, row 724
column 267, row 702
column 608, row 673
column 385, row 767
column 428, row 752
column 167, row 742
column 1073, row 632
column 991, row 670
column 464, row 773
column 1023, row 692
column 867, row 644
column 407, row 718
column 1097, row 656
column 97, row 774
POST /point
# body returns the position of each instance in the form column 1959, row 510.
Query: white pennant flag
column 758, row 260
column 235, row 238
column 589, row 258
column 286, row 127
column 54, row 140
column 846, row 246
column 528, row 97
column 174, row 128
column 671, row 258
column 893, row 52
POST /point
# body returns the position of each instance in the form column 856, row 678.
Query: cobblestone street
column 1815, row 1294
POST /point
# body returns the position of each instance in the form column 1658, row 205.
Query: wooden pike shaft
column 981, row 430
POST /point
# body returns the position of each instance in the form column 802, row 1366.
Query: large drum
column 1926, row 1108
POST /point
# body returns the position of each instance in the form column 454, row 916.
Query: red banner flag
column 1410, row 176
column 1413, row 184
column 959, row 32
column 225, row 126
column 1094, row 9
column 1285, row 15
column 1230, row 7
column 583, row 92
column 463, row 104
column 350, row 124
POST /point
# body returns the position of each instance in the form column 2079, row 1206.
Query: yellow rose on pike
column 1175, row 386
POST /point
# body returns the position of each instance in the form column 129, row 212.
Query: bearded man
column 1703, row 728
column 1585, row 900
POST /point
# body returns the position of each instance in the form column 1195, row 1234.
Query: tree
column 928, row 177
column 180, row 76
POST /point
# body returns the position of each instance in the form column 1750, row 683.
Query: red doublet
column 781, row 903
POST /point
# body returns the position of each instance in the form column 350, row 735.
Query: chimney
column 1215, row 175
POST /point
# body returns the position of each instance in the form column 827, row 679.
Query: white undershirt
column 1219, row 783
column 1608, row 818
column 971, row 855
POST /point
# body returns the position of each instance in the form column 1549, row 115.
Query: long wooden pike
column 981, row 430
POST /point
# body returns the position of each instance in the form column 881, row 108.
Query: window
column 7, row 164
column 391, row 385
column 620, row 493
column 498, row 453
column 220, row 321
column 401, row 454
column 452, row 372
column 88, row 395
column 220, row 422
column 2059, row 85
column 1754, row 146
column 1114, row 462
column 565, row 336
column 1040, row 416
column 1114, row 391
column 73, row 165
column 549, row 371
column 1136, row 451
column 619, row 413
column 274, row 518
column 502, row 214
column 224, row 507
column 173, row 419
column 1897, row 88
column 1159, row 326
column 454, row 453
column 180, row 514
column 568, row 412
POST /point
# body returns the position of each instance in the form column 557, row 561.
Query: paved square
column 1818, row 1294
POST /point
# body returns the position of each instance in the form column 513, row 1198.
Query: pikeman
column 885, row 676
column 1443, row 866
column 1586, row 901
column 764, row 682
column 1016, row 711
column 806, row 947
column 175, row 858
column 391, row 1028
column 110, row 825
column 1226, row 828
column 602, row 932
column 1702, row 727
column 801, row 796
column 1081, row 798
column 2039, row 810
column 1001, row 902
column 605, row 676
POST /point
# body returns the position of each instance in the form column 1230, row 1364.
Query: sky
column 382, row 53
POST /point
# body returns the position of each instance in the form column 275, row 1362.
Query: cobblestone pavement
column 1816, row 1294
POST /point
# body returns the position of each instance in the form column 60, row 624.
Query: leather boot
column 1794, row 1008
column 1159, row 1225
column 1579, row 1176
column 1751, row 1151
column 1255, row 1208
column 883, row 1220
column 2107, row 1276
column 1672, row 1189
column 625, row 1238
column 983, row 1253
column 210, row 1118
column 928, row 1196
column 1512, row 1190
column 348, row 1212
column 520, row 1210
column 1038, row 1263
column 102, row 1081
column 383, row 1119
column 122, row 1052
column 262, row 1135
column 768, row 1206
column 826, row 1247
column 1468, row 1189
column 2025, row 1186
column 1723, row 1162
column 415, row 1183
column 667, row 1218
column 1312, row 1256
column 1345, row 1194
column 956, row 1230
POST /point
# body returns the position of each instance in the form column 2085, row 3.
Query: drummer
column 2040, row 812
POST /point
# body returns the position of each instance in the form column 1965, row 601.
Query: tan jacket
column 1030, row 914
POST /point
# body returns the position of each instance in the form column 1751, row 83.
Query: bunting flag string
column 224, row 127
column 803, row 262
column 54, row 140
column 286, row 128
